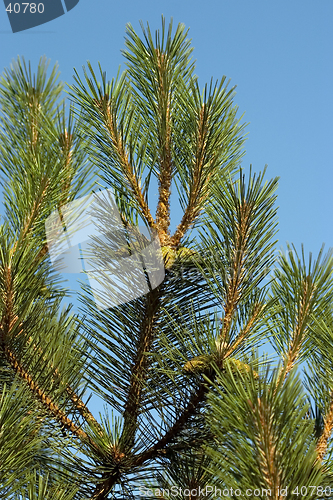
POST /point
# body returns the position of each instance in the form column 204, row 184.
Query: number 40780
column 32, row 8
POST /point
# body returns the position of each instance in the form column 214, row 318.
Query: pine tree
column 190, row 400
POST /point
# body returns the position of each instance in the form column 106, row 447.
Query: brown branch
column 165, row 160
column 78, row 403
column 132, row 405
column 198, row 184
column 196, row 399
column 42, row 252
column 38, row 392
column 34, row 212
column 300, row 329
column 266, row 445
column 322, row 442
column 102, row 490
column 34, row 112
column 104, row 106
column 66, row 143
column 246, row 330
column 139, row 372
column 237, row 274
column 8, row 323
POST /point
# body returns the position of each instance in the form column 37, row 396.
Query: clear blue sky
column 279, row 54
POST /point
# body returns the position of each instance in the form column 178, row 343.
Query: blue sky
column 279, row 54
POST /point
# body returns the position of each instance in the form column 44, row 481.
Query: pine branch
column 197, row 189
column 197, row 398
column 77, row 402
column 298, row 335
column 301, row 327
column 258, row 309
column 237, row 267
column 322, row 443
column 34, row 112
column 165, row 170
column 133, row 402
column 35, row 211
column 46, row 400
column 8, row 323
column 45, row 191
column 266, row 441
column 139, row 371
column 102, row 491
column 104, row 106
column 66, row 145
